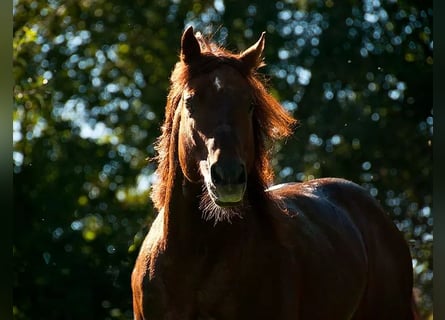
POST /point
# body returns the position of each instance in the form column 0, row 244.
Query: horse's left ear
column 252, row 57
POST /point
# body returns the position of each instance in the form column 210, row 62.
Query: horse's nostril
column 217, row 174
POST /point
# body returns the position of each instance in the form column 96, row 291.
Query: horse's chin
column 217, row 207
column 227, row 204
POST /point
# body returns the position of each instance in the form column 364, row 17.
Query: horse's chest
column 232, row 286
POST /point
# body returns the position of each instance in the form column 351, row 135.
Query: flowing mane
column 271, row 121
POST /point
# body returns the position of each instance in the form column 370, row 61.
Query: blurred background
column 91, row 79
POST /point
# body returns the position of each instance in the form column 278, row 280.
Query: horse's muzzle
column 229, row 179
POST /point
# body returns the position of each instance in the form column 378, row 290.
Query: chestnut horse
column 228, row 245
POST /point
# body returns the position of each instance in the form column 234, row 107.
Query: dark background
column 90, row 84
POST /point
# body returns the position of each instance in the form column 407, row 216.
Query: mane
column 270, row 120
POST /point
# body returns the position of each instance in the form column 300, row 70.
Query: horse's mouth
column 229, row 195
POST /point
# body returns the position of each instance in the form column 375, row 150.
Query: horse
column 227, row 243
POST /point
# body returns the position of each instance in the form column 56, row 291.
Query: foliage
column 91, row 79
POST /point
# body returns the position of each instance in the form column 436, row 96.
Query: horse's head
column 216, row 135
column 220, row 121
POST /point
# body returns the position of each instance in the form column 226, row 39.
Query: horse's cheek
column 249, row 150
column 187, row 160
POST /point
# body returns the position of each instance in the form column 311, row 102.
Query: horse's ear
column 252, row 57
column 190, row 49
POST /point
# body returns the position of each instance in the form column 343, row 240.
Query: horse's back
column 344, row 214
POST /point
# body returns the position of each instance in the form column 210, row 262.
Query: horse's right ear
column 190, row 49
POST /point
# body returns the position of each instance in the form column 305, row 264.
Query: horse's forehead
column 227, row 79
column 218, row 83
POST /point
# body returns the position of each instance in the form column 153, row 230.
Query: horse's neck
column 185, row 227
column 180, row 211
